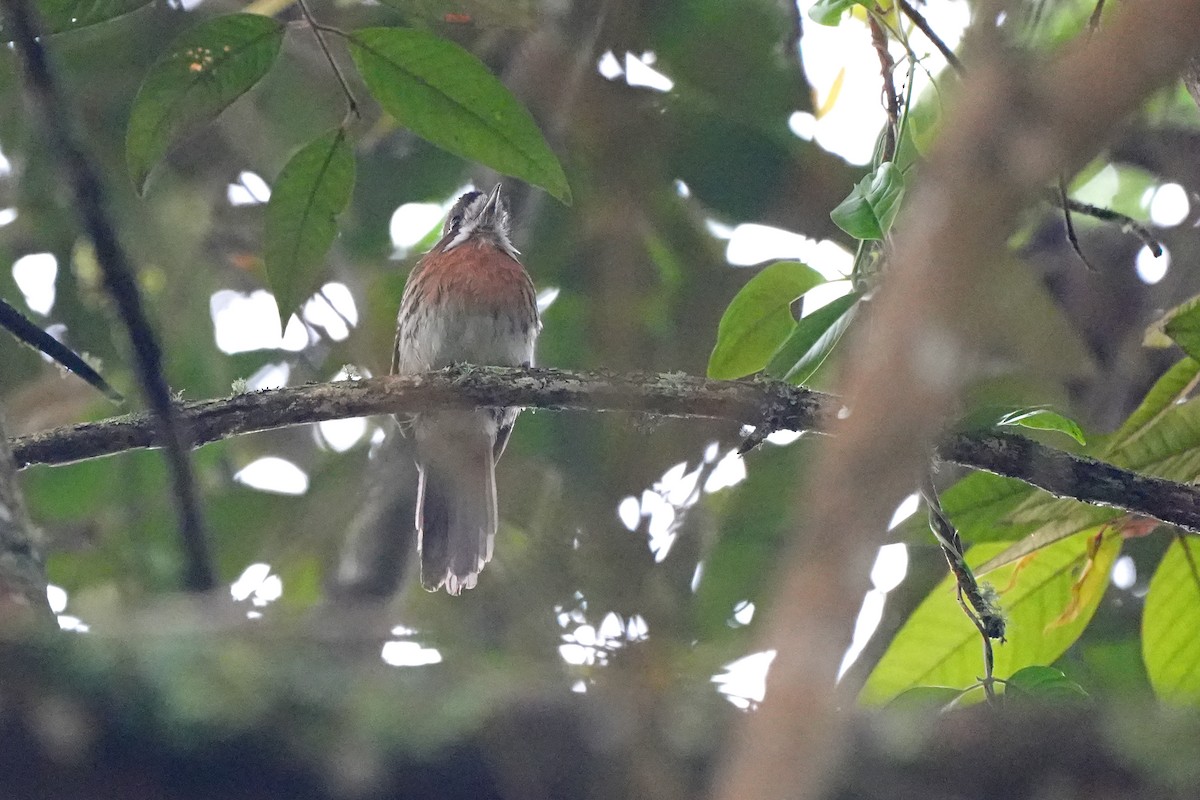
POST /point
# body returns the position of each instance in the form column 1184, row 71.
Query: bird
column 468, row 300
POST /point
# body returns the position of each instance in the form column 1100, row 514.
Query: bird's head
column 479, row 217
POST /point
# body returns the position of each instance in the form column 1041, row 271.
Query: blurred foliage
column 657, row 180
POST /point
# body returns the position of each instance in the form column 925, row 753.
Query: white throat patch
column 476, row 222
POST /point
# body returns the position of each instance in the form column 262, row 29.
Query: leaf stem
column 1072, row 237
column 319, row 29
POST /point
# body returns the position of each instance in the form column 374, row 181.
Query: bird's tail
column 456, row 506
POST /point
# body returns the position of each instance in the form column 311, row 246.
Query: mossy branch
column 769, row 404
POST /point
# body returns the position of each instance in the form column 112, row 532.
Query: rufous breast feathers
column 476, row 274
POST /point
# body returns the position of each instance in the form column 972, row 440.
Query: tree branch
column 778, row 405
column 774, row 405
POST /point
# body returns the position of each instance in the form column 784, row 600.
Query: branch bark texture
column 669, row 395
column 776, row 406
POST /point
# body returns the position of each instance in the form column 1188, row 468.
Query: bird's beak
column 491, row 209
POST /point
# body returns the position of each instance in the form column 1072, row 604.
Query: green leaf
column 868, row 212
column 1170, row 447
column 59, row 16
column 1043, row 683
column 758, row 319
column 204, row 70
column 447, row 96
column 313, row 188
column 1166, row 393
column 1047, row 600
column 1043, row 419
column 1170, row 646
column 1180, row 325
column 829, row 12
column 811, row 341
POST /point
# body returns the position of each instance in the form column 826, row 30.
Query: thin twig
column 774, row 406
column 318, row 31
column 1127, row 223
column 1065, row 202
column 333, row 307
column 988, row 681
column 923, row 25
column 989, row 661
column 891, row 102
column 118, row 276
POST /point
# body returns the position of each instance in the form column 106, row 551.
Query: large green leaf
column 312, row 190
column 812, row 340
column 1167, row 391
column 1170, row 448
column 937, row 698
column 979, row 506
column 1170, row 646
column 1180, row 325
column 448, row 97
column 204, row 70
column 871, row 207
column 67, row 15
column 1047, row 600
column 758, row 319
